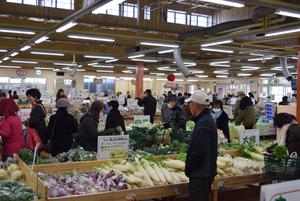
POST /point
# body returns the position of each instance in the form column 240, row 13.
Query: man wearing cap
column 176, row 116
column 201, row 158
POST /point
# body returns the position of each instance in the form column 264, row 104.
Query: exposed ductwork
column 285, row 70
column 180, row 64
column 258, row 13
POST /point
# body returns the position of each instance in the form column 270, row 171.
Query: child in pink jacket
column 10, row 128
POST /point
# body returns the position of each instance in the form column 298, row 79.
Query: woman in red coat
column 10, row 128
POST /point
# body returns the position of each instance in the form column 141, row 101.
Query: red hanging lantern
column 171, row 77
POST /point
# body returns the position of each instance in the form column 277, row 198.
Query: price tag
column 140, row 119
column 24, row 114
column 250, row 134
column 110, row 147
column 131, row 102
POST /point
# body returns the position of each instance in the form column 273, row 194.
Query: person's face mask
column 170, row 106
column 217, row 110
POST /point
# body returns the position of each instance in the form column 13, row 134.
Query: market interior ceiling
column 244, row 39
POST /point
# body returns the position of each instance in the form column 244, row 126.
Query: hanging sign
column 110, row 147
column 249, row 134
column 140, row 119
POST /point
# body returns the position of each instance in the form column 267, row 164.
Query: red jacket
column 12, row 135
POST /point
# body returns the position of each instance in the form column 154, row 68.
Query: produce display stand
column 31, row 179
column 236, row 181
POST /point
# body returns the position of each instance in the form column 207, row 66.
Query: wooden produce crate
column 32, row 180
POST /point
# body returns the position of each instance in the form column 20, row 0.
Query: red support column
column 139, row 79
column 298, row 86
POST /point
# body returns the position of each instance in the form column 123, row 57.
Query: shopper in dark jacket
column 149, row 103
column 247, row 114
column 88, row 133
column 288, row 132
column 114, row 118
column 61, row 128
column 284, row 101
column 37, row 114
column 221, row 118
column 176, row 115
column 201, row 167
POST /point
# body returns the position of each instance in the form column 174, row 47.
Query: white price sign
column 24, row 114
column 140, row 119
column 249, row 134
column 284, row 191
column 110, row 147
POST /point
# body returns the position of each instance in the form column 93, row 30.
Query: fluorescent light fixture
column 66, row 68
column 3, row 50
column 6, row 58
column 161, row 79
column 56, row 69
column 108, row 77
column 244, row 74
column 136, row 56
column 66, row 26
column 165, row 51
column 189, row 64
column 288, row 14
column 24, row 62
column 221, row 72
column 127, row 78
column 296, row 58
column 217, row 50
column 216, row 43
column 221, row 76
column 259, row 55
column 102, row 66
column 250, row 68
column 127, row 71
column 276, row 33
column 279, row 68
column 98, row 57
column 225, row 3
column 41, row 39
column 80, row 70
column 1, row 61
column 147, row 79
column 91, row 64
column 158, row 74
column 166, row 69
column 178, row 74
column 267, row 74
column 197, row 71
column 47, row 53
column 220, row 63
column 14, row 67
column 64, row 64
column 202, row 76
column 14, row 54
column 134, row 68
column 112, row 60
column 193, row 80
column 179, row 80
column 106, row 6
column 17, row 31
column 159, row 44
column 90, row 37
column 146, row 60
column 104, row 71
column 43, row 68
column 294, row 73
column 261, row 59
column 26, row 47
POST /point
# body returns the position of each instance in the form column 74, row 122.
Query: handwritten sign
column 249, row 134
column 140, row 119
column 24, row 114
column 284, row 191
column 110, row 147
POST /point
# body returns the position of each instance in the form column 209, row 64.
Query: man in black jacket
column 201, row 158
column 176, row 116
column 149, row 103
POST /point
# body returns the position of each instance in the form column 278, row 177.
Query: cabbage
column 234, row 130
column 3, row 174
column 12, row 167
column 190, row 125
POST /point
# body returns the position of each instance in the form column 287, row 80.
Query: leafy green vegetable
column 280, row 152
